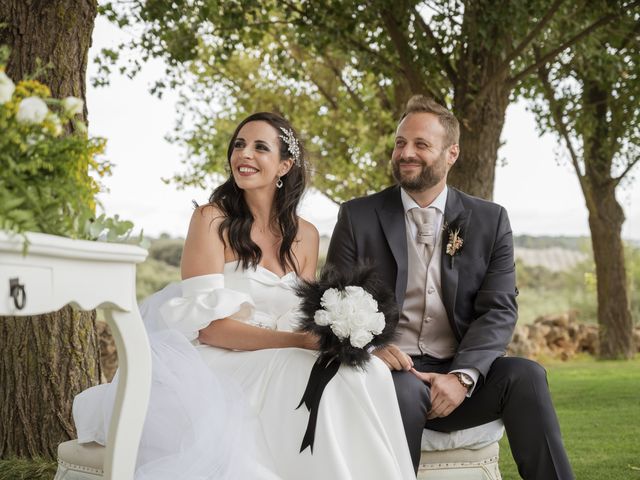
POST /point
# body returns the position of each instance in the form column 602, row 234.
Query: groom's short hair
column 422, row 104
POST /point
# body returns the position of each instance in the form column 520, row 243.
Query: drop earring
column 279, row 182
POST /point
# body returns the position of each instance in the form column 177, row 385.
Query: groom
column 449, row 258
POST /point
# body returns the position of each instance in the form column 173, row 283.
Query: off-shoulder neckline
column 265, row 269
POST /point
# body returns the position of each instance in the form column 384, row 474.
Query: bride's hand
column 309, row 341
column 394, row 358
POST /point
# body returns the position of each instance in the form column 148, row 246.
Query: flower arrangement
column 49, row 166
column 351, row 313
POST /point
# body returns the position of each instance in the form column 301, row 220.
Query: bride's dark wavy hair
column 238, row 220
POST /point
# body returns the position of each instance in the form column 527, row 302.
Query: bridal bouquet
column 351, row 313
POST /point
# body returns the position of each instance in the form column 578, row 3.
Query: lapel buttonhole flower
column 454, row 245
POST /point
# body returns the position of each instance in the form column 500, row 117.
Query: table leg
column 132, row 397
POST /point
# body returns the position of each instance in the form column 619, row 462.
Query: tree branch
column 630, row 166
column 630, row 36
column 556, row 113
column 526, row 41
column 323, row 91
column 503, row 68
column 444, row 60
column 336, row 71
column 403, row 50
column 541, row 61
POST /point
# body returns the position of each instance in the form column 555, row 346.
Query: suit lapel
column 455, row 216
column 391, row 216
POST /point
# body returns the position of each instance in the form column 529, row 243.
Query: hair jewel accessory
column 292, row 144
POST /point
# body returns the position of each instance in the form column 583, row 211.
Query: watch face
column 465, row 379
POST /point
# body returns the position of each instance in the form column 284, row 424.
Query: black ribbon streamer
column 322, row 372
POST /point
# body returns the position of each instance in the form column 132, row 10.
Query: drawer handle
column 18, row 293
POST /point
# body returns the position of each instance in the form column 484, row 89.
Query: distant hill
column 570, row 243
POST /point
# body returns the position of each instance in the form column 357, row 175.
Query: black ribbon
column 322, row 372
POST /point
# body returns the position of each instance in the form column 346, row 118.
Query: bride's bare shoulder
column 203, row 251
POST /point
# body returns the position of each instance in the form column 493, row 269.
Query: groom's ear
column 452, row 154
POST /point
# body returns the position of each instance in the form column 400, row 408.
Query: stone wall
column 558, row 336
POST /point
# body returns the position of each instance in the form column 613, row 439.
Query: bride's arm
column 234, row 335
column 307, row 249
column 203, row 254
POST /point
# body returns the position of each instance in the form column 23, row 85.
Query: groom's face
column 420, row 160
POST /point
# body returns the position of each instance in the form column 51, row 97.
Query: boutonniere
column 455, row 241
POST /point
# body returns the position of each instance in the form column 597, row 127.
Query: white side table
column 58, row 271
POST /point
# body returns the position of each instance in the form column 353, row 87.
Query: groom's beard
column 428, row 177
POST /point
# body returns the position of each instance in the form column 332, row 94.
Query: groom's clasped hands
column 447, row 393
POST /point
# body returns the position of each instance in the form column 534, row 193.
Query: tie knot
column 425, row 220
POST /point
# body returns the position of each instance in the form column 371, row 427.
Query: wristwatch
column 465, row 380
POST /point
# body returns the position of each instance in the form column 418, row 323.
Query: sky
column 541, row 196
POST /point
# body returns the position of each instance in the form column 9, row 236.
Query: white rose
column 322, row 318
column 360, row 320
column 330, row 298
column 6, row 88
column 32, row 110
column 341, row 328
column 72, row 105
column 360, row 338
column 377, row 323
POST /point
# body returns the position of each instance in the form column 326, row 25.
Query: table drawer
column 38, row 289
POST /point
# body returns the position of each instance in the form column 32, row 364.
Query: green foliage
column 597, row 406
column 632, row 264
column 48, row 169
column 167, row 250
column 544, row 292
column 590, row 97
column 44, row 175
column 571, row 243
column 27, row 469
column 153, row 275
column 341, row 73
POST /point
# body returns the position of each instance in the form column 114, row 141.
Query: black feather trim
column 331, row 347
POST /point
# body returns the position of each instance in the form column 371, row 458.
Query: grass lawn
column 598, row 404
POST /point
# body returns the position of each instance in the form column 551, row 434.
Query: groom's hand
column 446, row 392
column 395, row 358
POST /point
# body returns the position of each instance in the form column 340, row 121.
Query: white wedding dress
column 217, row 413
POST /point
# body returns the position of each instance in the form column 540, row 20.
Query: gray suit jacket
column 478, row 284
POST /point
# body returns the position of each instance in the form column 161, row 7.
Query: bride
column 229, row 369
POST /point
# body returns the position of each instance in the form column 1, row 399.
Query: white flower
column 322, row 318
column 32, row 110
column 330, row 299
column 72, row 105
column 6, row 88
column 360, row 338
column 340, row 326
column 350, row 313
column 57, row 124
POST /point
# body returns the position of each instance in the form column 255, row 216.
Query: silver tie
column 425, row 220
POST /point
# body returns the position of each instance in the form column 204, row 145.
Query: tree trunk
column 55, row 34
column 481, row 96
column 614, row 316
column 46, row 360
column 480, row 131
